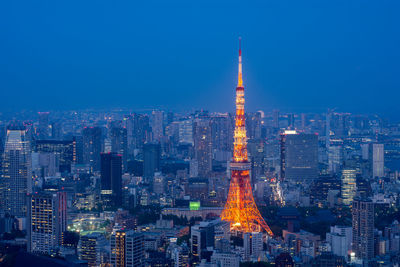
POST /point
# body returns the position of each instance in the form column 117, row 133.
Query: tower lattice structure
column 240, row 209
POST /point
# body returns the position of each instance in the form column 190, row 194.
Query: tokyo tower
column 240, row 209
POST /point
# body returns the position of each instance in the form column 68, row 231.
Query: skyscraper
column 127, row 249
column 157, row 128
column 152, row 160
column 253, row 245
column 240, row 209
column 64, row 151
column 16, row 177
column 92, row 147
column 363, row 228
column 119, row 143
column 186, row 131
column 377, row 158
column 111, row 179
column 299, row 156
column 92, row 248
column 203, row 147
column 349, row 185
column 43, row 129
column 46, row 220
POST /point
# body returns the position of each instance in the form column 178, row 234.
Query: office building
column 340, row 238
column 92, row 248
column 151, row 160
column 16, row 179
column 111, row 179
column 299, row 157
column 202, row 237
column 43, row 130
column 349, row 185
column 92, row 147
column 127, row 249
column 63, row 151
column 203, row 147
column 225, row 259
column 186, row 132
column 119, row 143
column 47, row 220
column 253, row 245
column 377, row 158
column 363, row 228
column 157, row 125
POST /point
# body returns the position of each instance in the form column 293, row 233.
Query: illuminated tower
column 240, row 209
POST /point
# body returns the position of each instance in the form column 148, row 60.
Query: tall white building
column 377, row 160
column 340, row 238
column 253, row 245
column 16, row 179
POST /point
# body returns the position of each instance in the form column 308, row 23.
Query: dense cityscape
column 161, row 188
column 200, row 133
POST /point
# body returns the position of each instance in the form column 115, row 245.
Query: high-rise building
column 253, row 245
column 93, row 249
column 63, row 150
column 222, row 132
column 275, row 118
column 363, row 228
column 299, row 157
column 111, row 179
column 119, row 143
column 43, row 129
column 253, row 125
column 47, row 221
column 349, row 185
column 203, row 147
column 151, row 160
column 335, row 156
column 92, row 147
column 127, row 249
column 138, row 130
column 377, row 160
column 186, row 131
column 16, row 179
column 240, row 209
column 340, row 238
column 157, row 125
column 201, row 236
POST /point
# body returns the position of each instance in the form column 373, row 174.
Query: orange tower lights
column 240, row 209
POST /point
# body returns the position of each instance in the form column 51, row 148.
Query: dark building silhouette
column 284, row 260
column 111, row 179
column 203, row 147
column 92, row 147
column 299, row 156
column 119, row 143
column 43, row 129
column 152, row 160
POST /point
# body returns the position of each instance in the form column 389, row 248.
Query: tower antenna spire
column 240, row 79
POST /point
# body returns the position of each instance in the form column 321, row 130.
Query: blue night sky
column 298, row 55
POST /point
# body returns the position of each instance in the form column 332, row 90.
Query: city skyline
column 124, row 140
